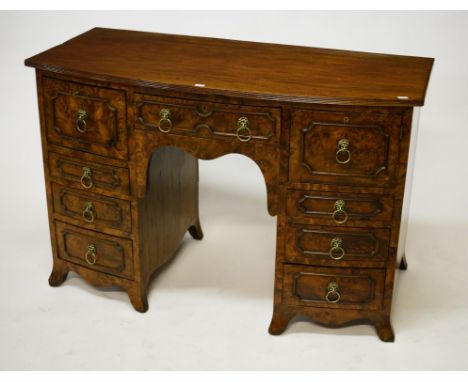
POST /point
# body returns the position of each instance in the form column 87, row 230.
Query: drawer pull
column 90, row 255
column 87, row 178
column 80, row 122
column 88, row 212
column 165, row 123
column 333, row 293
column 343, row 155
column 336, row 250
column 340, row 216
column 243, row 130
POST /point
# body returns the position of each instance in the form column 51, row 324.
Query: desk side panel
column 408, row 185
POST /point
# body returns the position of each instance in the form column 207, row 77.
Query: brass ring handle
column 343, row 155
column 87, row 178
column 88, row 212
column 243, row 133
column 333, row 295
column 90, row 255
column 336, row 250
column 338, row 210
column 80, row 122
column 165, row 115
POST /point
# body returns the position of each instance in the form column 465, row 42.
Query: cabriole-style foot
column 280, row 320
column 403, row 263
column 139, row 299
column 58, row 276
column 196, row 231
column 385, row 331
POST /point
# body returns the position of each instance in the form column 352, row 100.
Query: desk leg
column 384, row 329
column 280, row 320
column 59, row 273
column 138, row 297
column 403, row 263
column 195, row 230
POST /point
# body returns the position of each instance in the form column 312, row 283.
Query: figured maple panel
column 357, row 288
column 102, row 211
column 208, row 120
column 113, row 255
column 345, row 147
column 86, row 118
column 363, row 210
column 100, row 178
column 357, row 246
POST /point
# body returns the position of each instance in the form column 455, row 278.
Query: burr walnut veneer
column 125, row 116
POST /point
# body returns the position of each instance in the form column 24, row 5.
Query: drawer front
column 321, row 245
column 208, row 120
column 87, row 175
column 355, row 148
column 333, row 288
column 337, row 209
column 86, row 118
column 92, row 209
column 99, row 252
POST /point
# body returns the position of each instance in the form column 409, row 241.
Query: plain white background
column 211, row 308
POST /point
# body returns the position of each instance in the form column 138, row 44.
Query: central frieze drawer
column 333, row 287
column 99, row 252
column 95, row 210
column 86, row 118
column 345, row 147
column 208, row 120
column 340, row 209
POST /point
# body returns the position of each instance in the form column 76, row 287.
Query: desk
column 125, row 116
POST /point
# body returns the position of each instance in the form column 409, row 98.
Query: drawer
column 99, row 252
column 345, row 147
column 208, row 120
column 87, row 208
column 333, row 288
column 341, row 209
column 321, row 245
column 86, row 118
column 89, row 175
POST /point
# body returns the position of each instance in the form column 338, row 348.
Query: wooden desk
column 125, row 116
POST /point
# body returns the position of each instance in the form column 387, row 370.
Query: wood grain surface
column 239, row 68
